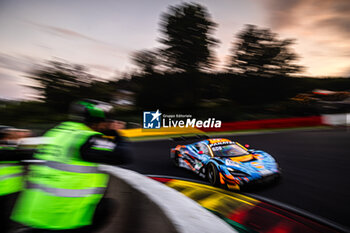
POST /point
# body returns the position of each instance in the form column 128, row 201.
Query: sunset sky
column 102, row 34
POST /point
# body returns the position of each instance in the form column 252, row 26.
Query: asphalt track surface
column 315, row 166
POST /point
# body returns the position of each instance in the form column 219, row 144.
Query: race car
column 226, row 163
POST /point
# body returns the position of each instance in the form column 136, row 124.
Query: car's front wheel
column 213, row 175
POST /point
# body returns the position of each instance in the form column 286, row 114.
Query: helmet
column 89, row 111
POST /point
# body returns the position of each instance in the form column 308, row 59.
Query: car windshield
column 231, row 150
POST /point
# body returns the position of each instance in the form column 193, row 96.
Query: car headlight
column 229, row 162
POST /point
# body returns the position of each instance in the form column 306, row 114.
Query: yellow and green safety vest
column 63, row 191
column 11, row 175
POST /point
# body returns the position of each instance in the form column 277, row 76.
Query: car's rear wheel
column 213, row 175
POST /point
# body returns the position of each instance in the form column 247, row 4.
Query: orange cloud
column 321, row 28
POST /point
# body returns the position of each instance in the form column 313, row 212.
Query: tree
column 187, row 36
column 258, row 52
column 59, row 84
column 146, row 60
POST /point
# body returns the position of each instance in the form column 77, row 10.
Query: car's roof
column 213, row 141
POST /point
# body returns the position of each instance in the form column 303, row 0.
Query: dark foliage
column 228, row 96
column 147, row 61
column 61, row 83
column 187, row 36
column 258, row 52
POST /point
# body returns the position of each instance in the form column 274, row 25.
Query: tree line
column 188, row 44
column 187, row 38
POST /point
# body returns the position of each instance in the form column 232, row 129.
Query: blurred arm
column 15, row 154
column 111, row 149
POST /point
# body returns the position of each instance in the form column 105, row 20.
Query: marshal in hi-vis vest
column 61, row 193
column 11, row 175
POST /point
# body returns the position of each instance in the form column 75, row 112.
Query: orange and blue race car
column 226, row 163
